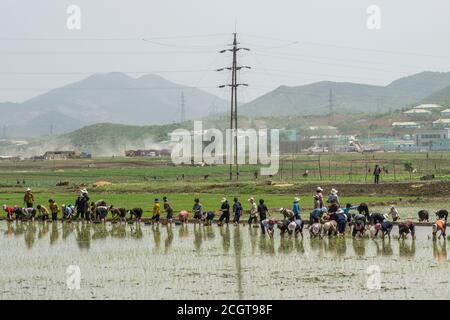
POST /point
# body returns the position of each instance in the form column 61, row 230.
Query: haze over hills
column 348, row 97
column 113, row 97
column 150, row 99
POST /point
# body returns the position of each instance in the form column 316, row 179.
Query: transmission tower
column 234, row 86
column 330, row 104
column 183, row 108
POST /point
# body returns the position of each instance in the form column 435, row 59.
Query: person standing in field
column 156, row 211
column 394, row 213
column 318, row 198
column 198, row 210
column 54, row 209
column 263, row 211
column 253, row 212
column 237, row 210
column 296, row 208
column 225, row 209
column 168, row 209
column 377, row 174
column 28, row 198
column 82, row 205
column 333, row 198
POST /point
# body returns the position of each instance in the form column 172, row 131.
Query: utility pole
column 183, row 108
column 233, row 112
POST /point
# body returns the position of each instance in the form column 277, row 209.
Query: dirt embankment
column 406, row 189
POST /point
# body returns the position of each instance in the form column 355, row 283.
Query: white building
column 430, row 107
column 441, row 123
column 418, row 114
column 406, row 125
column 445, row 113
column 433, row 139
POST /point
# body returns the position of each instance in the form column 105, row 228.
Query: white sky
column 293, row 42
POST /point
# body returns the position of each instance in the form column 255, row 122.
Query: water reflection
column 238, row 240
column 440, row 250
column 407, row 248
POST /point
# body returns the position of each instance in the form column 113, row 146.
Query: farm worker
column 225, row 209
column 183, row 216
column 316, row 215
column 237, row 210
column 287, row 214
column 341, row 219
column 267, row 225
column 197, row 209
column 67, row 211
column 333, row 197
column 363, row 208
column 29, row 213
column 442, row 214
column 82, row 205
column 394, row 213
column 359, row 225
column 406, row 227
column 54, row 209
column 43, row 212
column 28, row 198
column 208, row 217
column 318, row 198
column 296, row 208
column 376, row 174
column 347, row 209
column 375, row 218
column 156, row 211
column 168, row 209
column 9, row 212
column 263, row 211
column 385, row 227
column 439, row 225
column 253, row 211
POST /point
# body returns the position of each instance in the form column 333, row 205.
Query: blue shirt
column 296, row 209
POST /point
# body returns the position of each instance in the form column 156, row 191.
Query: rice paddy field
column 129, row 261
column 123, row 261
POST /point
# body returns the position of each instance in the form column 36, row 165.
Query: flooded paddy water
column 123, row 261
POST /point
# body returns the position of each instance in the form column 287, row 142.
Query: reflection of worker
column 376, row 174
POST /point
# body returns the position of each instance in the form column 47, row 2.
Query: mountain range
column 151, row 99
column 113, row 97
column 346, row 97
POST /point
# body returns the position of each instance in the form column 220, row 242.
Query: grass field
column 135, row 182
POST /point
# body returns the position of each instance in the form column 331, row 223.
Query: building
column 63, row 155
column 433, row 140
column 59, row 155
column 418, row 114
column 445, row 113
column 406, row 125
column 430, row 107
column 441, row 123
column 147, row 153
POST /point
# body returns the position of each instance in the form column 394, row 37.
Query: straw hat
column 296, row 199
column 223, row 200
column 251, row 199
column 319, row 189
column 28, row 189
column 334, row 190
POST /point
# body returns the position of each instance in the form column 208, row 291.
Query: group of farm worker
column 330, row 219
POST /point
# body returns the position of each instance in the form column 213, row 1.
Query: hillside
column 347, row 97
column 113, row 97
column 441, row 97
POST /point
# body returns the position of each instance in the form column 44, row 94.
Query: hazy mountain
column 347, row 97
column 113, row 97
column 441, row 97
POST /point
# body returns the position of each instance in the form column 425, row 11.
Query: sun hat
column 251, row 199
column 334, row 190
column 296, row 199
column 319, row 189
column 28, row 189
column 223, row 200
column 4, row 206
column 281, row 210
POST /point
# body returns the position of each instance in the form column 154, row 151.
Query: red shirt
column 9, row 210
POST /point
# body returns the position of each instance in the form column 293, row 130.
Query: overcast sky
column 293, row 42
